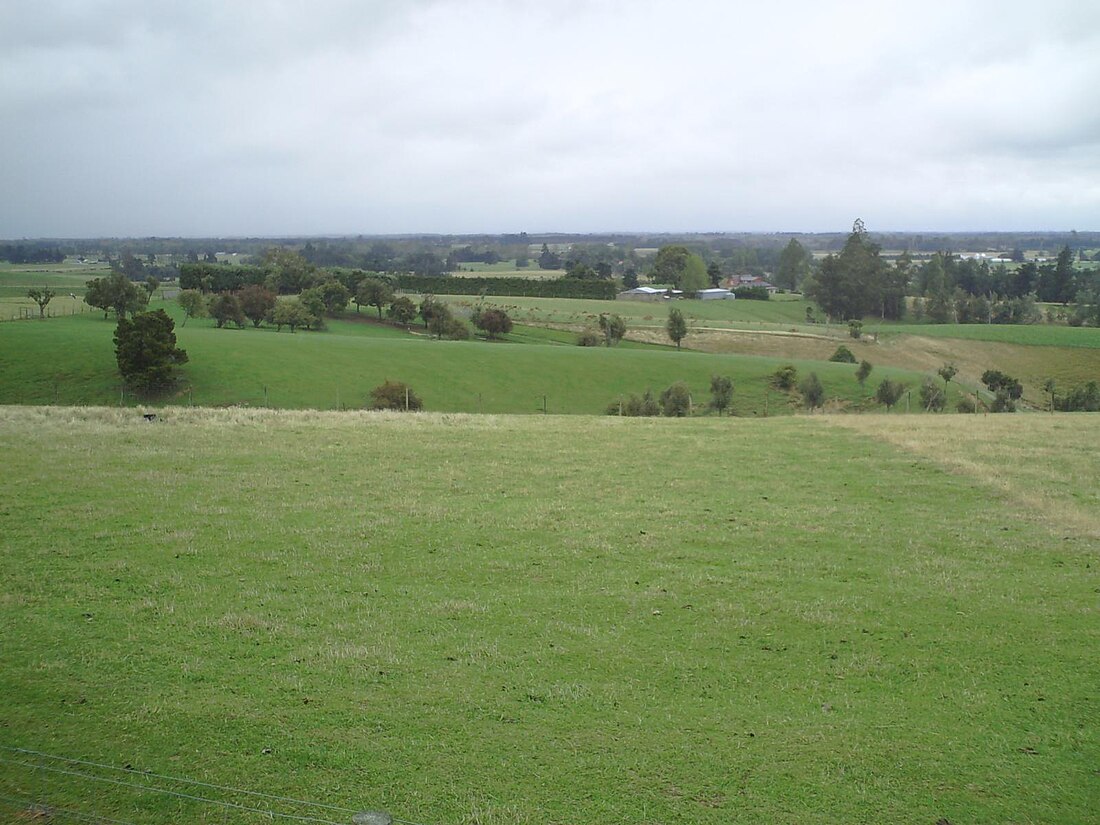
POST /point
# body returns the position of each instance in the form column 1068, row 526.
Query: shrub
column 752, row 293
column 635, row 406
column 843, row 355
column 455, row 330
column 1006, row 390
column 966, row 405
column 889, row 392
column 932, row 395
column 864, row 370
column 395, row 395
column 855, row 329
column 1083, row 398
column 785, row 377
column 676, row 400
column 588, row 338
column 224, row 308
column 493, row 322
column 813, row 394
column 517, row 287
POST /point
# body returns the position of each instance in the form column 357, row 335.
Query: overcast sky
column 228, row 117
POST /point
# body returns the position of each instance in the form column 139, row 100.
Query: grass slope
column 521, row 619
column 71, row 360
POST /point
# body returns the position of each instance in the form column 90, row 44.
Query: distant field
column 513, row 620
column 573, row 311
column 1045, row 335
column 71, row 360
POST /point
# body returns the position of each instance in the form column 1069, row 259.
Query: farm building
column 716, row 294
column 648, row 293
column 741, row 281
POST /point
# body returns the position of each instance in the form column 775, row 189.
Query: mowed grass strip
column 1036, row 465
column 548, row 619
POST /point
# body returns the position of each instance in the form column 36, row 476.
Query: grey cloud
column 483, row 115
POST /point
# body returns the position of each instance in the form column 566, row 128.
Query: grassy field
column 71, row 361
column 557, row 620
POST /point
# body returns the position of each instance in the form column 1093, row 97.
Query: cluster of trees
column 119, row 294
column 675, row 401
column 858, row 282
column 24, row 253
column 514, row 287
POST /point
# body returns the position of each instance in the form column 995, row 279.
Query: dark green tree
column 721, row 392
column 402, row 310
column 225, row 308
column 146, row 351
column 373, row 292
column 548, row 259
column 851, row 284
column 116, row 292
column 613, row 328
column 1056, row 283
column 889, row 392
column 843, row 355
column 1006, row 390
column 714, row 273
column 290, row 272
column 493, row 322
column 813, row 393
column 256, row 303
column 335, row 297
column 669, row 265
column 439, row 321
column 429, row 307
column 863, row 372
column 676, row 400
column 947, row 372
column 793, row 267
column 676, row 327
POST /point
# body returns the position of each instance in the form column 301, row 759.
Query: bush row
column 515, row 287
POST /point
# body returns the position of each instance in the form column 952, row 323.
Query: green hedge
column 515, row 287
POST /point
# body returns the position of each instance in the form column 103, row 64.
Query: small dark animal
column 149, row 416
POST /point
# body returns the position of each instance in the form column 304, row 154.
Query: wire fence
column 19, row 312
column 36, row 786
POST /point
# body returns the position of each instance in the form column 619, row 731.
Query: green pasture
column 574, row 311
column 505, row 269
column 64, row 279
column 1036, row 335
column 71, row 361
column 517, row 619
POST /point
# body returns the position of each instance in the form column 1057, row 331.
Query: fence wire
column 42, row 764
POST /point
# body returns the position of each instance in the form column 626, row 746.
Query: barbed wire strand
column 177, row 794
column 177, row 779
column 166, row 778
column 54, row 809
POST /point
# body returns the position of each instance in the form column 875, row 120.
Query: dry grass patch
column 1047, row 465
